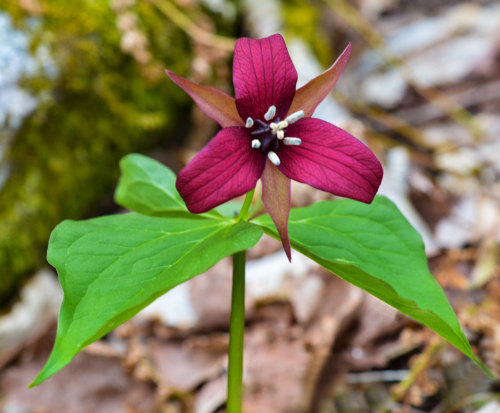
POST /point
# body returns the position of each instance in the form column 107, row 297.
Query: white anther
column 249, row 123
column 294, row 117
column 276, row 127
column 280, row 134
column 271, row 113
column 292, row 141
column 273, row 158
column 256, row 144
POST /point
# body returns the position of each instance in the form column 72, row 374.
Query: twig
column 420, row 364
column 191, row 29
column 384, row 118
column 366, row 377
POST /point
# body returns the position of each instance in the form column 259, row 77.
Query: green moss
column 103, row 104
column 303, row 19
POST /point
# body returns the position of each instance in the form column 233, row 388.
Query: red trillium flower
column 268, row 133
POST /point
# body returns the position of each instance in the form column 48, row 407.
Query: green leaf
column 148, row 187
column 375, row 248
column 112, row 267
column 229, row 209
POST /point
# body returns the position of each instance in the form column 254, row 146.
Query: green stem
column 256, row 208
column 246, row 205
column 236, row 332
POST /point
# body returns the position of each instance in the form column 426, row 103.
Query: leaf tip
column 34, row 383
column 39, row 379
column 484, row 368
column 57, row 360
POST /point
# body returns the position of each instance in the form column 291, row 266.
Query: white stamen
column 294, row 117
column 276, row 127
column 271, row 113
column 249, row 123
column 292, row 141
column 280, row 134
column 283, row 124
column 273, row 158
column 256, row 144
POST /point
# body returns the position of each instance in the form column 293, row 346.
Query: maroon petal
column 225, row 168
column 332, row 160
column 309, row 96
column 277, row 201
column 263, row 76
column 213, row 102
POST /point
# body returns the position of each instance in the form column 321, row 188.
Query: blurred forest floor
column 422, row 89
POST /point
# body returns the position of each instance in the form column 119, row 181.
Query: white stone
column 386, row 89
column 35, row 310
column 174, row 308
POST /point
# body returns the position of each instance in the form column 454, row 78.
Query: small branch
column 421, row 363
column 384, row 118
column 191, row 29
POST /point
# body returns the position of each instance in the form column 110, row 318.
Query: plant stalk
column 243, row 215
column 236, row 333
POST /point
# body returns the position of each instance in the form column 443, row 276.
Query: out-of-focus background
column 82, row 84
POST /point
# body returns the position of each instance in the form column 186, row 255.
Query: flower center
column 269, row 135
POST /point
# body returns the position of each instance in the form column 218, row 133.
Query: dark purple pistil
column 263, row 132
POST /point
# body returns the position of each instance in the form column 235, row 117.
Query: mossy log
column 109, row 97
